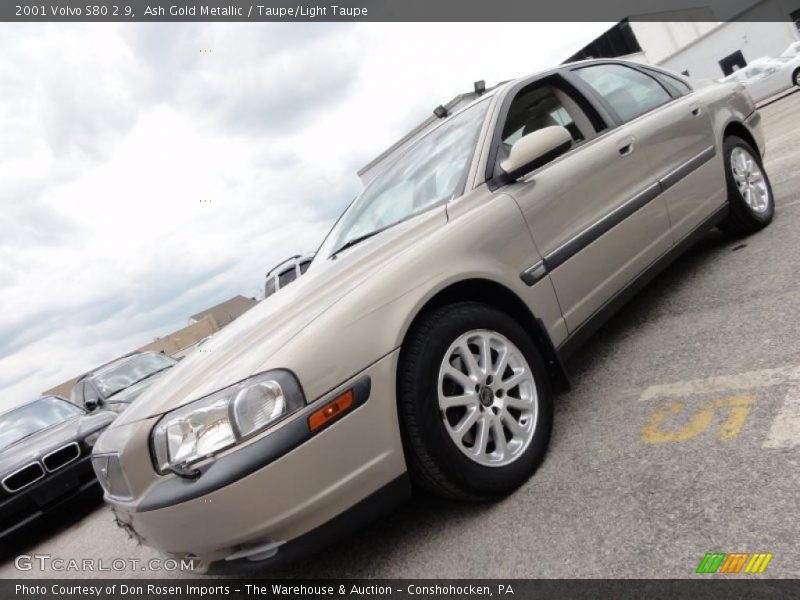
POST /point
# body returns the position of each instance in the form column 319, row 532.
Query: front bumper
column 24, row 507
column 290, row 496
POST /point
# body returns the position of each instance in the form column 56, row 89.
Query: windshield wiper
column 356, row 240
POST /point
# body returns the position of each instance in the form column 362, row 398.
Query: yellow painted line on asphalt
column 703, row 416
column 785, row 428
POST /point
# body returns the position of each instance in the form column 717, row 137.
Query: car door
column 680, row 141
column 594, row 213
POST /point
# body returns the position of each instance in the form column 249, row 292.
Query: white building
column 690, row 42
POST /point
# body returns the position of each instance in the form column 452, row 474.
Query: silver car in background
column 116, row 385
column 768, row 77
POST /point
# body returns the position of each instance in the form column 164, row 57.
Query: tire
column 745, row 218
column 796, row 78
column 436, row 461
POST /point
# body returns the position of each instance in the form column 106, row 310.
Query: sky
column 150, row 171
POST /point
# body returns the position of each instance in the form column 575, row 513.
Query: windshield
column 34, row 417
column 129, row 372
column 432, row 172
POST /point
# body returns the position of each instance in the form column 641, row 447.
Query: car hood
column 244, row 347
column 41, row 443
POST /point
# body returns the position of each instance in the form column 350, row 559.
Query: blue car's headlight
column 223, row 419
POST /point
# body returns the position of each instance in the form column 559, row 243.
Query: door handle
column 626, row 146
column 697, row 111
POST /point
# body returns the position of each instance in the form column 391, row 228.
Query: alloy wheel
column 487, row 398
column 749, row 180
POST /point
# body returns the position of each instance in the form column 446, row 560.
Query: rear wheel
column 752, row 204
column 475, row 405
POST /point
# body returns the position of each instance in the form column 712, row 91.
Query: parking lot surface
column 681, row 436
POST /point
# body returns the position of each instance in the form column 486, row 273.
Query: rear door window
column 629, row 92
column 679, row 84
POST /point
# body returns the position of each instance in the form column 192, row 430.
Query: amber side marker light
column 330, row 411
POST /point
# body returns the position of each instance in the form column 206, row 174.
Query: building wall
column 754, row 40
column 761, row 30
column 182, row 338
column 660, row 40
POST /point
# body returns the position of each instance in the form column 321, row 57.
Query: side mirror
column 536, row 149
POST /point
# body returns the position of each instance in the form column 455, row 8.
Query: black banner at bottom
column 397, row 589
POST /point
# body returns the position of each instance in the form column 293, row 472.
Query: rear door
column 595, row 213
column 676, row 136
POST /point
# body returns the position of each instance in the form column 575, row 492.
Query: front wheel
column 475, row 403
column 750, row 198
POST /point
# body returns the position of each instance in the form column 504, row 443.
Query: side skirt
column 590, row 326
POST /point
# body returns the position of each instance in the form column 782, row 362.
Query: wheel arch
column 740, row 130
column 499, row 296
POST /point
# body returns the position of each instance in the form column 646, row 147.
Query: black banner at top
column 395, row 10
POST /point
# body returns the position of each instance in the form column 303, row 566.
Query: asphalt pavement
column 681, row 436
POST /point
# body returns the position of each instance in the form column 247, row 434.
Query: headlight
column 225, row 418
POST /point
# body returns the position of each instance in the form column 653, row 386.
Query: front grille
column 27, row 475
column 62, row 457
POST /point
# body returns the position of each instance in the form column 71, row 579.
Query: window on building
column 630, row 93
column 732, row 62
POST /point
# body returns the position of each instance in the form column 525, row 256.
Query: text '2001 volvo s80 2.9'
column 425, row 341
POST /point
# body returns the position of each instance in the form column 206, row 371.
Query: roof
column 225, row 312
